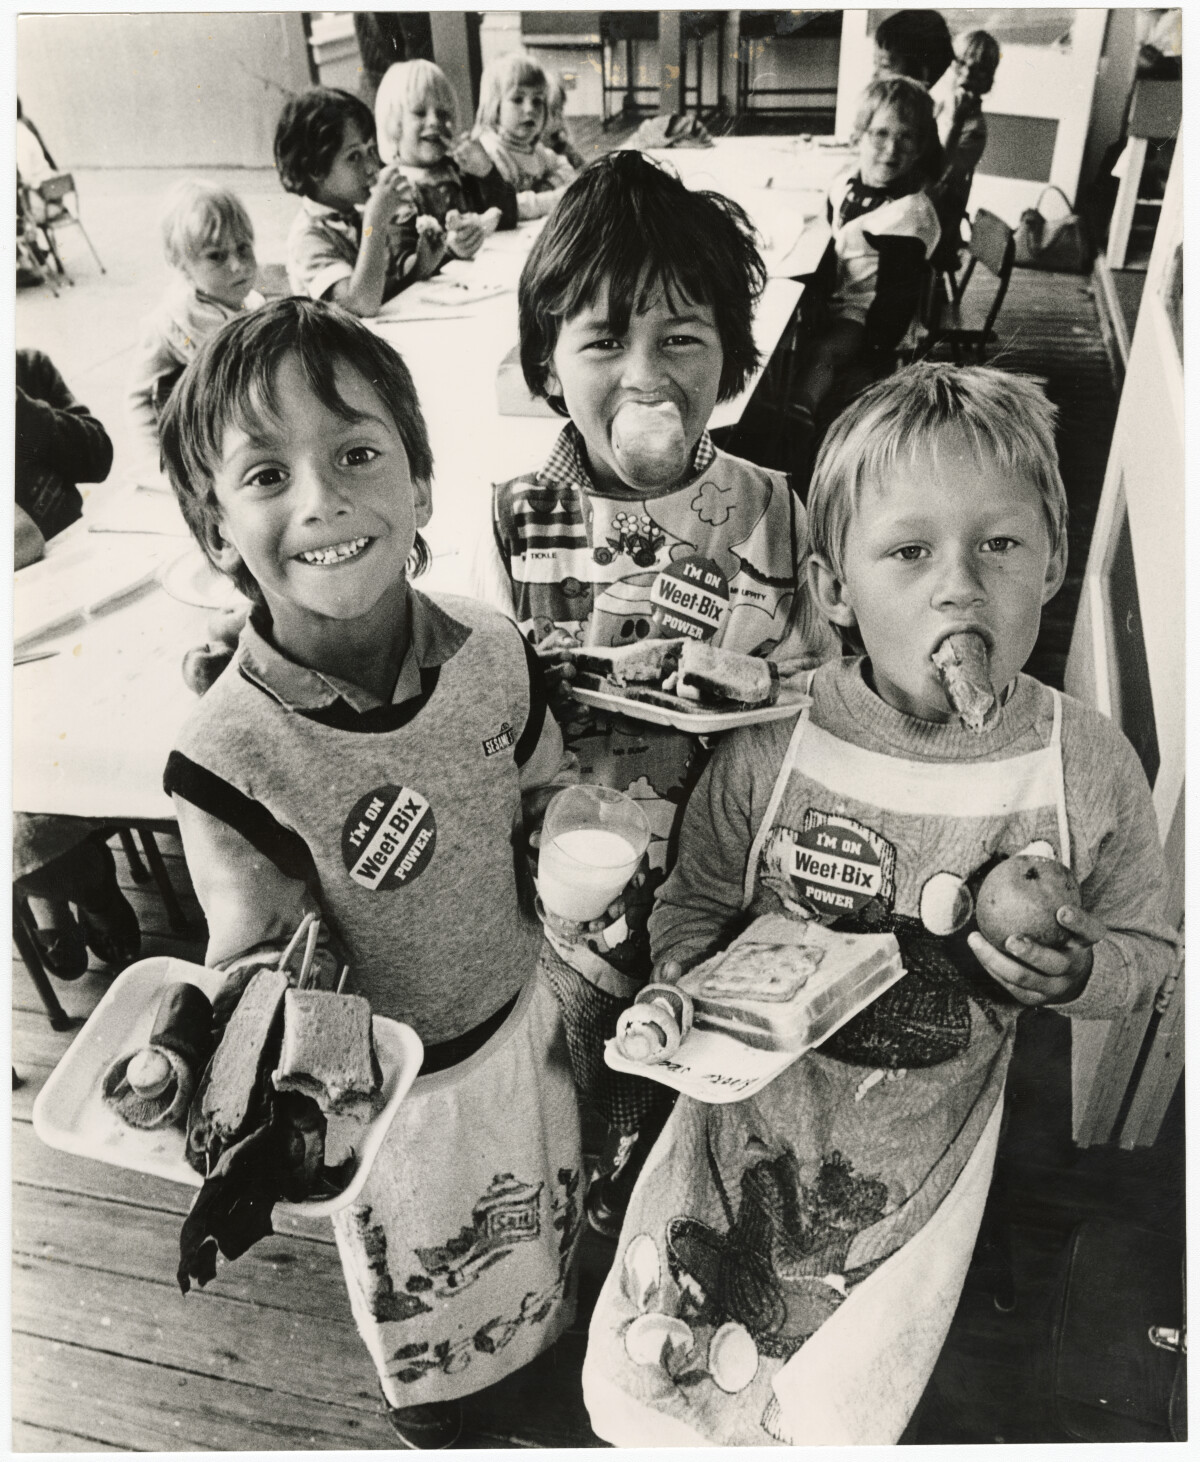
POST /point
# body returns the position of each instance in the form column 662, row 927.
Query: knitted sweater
column 398, row 823
column 171, row 336
column 535, row 172
column 1115, row 851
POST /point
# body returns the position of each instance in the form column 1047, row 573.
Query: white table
column 94, row 723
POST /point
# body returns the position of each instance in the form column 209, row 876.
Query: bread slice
column 328, row 1053
column 725, row 679
column 232, row 1079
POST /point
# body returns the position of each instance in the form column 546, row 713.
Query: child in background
column 913, row 43
column 299, row 455
column 962, row 131
column 414, row 121
column 820, row 1231
column 343, row 245
column 557, row 135
column 208, row 242
column 637, row 301
column 509, row 125
column 885, row 230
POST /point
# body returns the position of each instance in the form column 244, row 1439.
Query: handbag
column 1058, row 243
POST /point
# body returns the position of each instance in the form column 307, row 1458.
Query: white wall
column 160, row 90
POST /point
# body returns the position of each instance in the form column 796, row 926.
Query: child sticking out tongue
column 649, row 443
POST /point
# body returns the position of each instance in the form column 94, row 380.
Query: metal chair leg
column 175, row 915
column 91, row 246
column 32, row 960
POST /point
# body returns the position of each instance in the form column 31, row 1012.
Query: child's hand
column 390, row 195
column 466, row 233
column 431, row 246
column 1036, row 974
column 558, row 669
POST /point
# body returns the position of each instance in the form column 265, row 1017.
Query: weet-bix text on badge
column 690, row 599
column 389, row 837
column 836, row 868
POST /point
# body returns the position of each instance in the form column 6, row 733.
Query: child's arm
column 250, row 905
column 54, row 429
column 700, row 905
column 1121, row 948
column 28, row 543
column 363, row 292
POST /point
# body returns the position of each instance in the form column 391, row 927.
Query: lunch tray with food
column 688, row 684
column 736, row 1021
column 85, row 1106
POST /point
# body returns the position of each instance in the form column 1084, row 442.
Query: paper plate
column 70, row 1113
column 699, row 721
column 191, row 579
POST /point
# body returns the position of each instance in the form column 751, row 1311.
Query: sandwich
column 682, row 674
column 723, row 679
column 231, row 1093
column 328, row 1052
column 620, row 666
column 784, row 987
column 257, row 1140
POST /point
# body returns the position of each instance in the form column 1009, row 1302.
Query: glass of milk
column 593, row 839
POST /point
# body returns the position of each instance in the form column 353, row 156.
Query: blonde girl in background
column 510, row 124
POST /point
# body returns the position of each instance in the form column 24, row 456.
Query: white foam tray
column 71, row 1114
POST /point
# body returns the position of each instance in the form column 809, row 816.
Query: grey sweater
column 400, row 824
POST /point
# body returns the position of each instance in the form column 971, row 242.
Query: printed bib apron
column 789, row 1265
column 458, row 1254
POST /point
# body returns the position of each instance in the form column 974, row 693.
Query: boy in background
column 208, row 243
column 344, row 245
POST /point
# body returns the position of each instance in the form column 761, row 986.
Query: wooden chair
column 54, row 193
column 993, row 245
column 625, row 27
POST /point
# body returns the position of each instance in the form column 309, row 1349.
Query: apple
column 225, row 625
column 1022, row 896
column 203, row 664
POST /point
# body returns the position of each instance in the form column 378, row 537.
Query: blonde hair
column 197, row 213
column 503, row 75
column 405, row 84
column 1006, row 418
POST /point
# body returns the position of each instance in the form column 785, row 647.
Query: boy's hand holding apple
column 1034, row 937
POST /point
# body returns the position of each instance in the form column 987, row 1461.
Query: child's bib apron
column 809, row 1244
column 458, row 1255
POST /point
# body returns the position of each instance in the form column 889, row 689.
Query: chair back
column 55, row 189
column 994, row 245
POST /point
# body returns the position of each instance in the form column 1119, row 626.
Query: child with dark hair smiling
column 636, row 313
column 299, row 455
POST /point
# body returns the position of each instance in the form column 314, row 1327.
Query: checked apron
column 809, row 1244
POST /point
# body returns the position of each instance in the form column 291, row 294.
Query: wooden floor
column 108, row 1355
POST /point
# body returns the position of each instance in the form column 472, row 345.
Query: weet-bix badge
column 389, row 838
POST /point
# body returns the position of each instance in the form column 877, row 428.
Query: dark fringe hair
column 233, row 382
column 308, row 135
column 629, row 223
